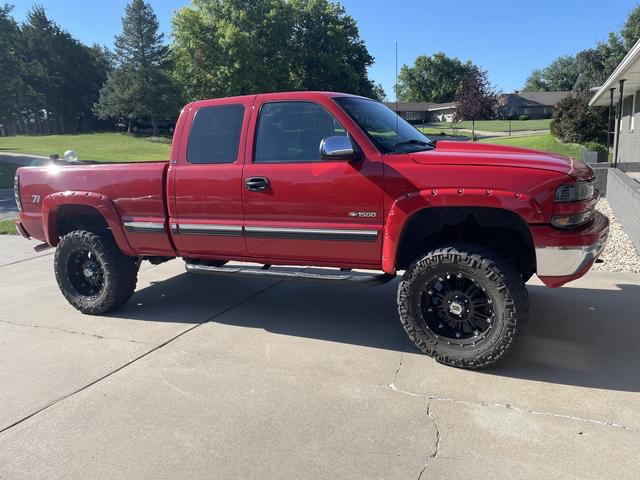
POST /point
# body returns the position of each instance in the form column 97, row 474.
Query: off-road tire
column 500, row 282
column 120, row 272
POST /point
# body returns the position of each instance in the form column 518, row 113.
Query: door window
column 292, row 132
column 215, row 134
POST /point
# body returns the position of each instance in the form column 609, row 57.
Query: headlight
column 16, row 191
column 571, row 221
column 575, row 192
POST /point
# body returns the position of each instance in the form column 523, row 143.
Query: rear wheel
column 92, row 273
column 463, row 305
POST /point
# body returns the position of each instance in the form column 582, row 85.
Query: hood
column 473, row 153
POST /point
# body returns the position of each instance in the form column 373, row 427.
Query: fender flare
column 104, row 205
column 412, row 203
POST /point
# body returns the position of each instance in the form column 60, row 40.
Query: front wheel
column 92, row 273
column 463, row 305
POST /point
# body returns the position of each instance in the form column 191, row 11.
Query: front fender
column 410, row 204
column 104, row 205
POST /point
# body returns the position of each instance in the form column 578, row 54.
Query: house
column 424, row 112
column 532, row 104
column 623, row 186
column 622, row 88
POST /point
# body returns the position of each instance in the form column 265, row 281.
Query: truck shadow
column 576, row 336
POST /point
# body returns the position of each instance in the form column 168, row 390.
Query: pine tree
column 140, row 85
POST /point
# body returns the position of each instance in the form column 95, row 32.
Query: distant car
column 329, row 180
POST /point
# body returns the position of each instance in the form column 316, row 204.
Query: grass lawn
column 545, row 142
column 498, row 125
column 434, row 132
column 107, row 146
column 8, row 227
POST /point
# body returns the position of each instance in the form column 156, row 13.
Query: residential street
column 199, row 377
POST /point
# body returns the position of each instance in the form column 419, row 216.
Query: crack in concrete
column 25, row 260
column 139, row 357
column 395, row 376
column 436, row 448
column 99, row 337
column 392, row 387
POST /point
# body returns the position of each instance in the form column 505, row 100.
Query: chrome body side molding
column 203, row 229
column 144, row 227
column 339, row 234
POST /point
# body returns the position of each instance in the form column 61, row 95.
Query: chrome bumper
column 566, row 261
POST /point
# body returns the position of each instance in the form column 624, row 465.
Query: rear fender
column 105, row 206
column 408, row 205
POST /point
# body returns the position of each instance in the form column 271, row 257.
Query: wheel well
column 79, row 217
column 501, row 230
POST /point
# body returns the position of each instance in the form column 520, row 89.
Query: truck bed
column 136, row 191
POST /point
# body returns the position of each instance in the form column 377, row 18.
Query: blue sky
column 507, row 38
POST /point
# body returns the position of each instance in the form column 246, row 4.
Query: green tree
column 232, row 47
column 327, row 52
column 476, row 99
column 11, row 86
column 574, row 121
column 596, row 64
column 559, row 76
column 140, row 85
column 61, row 76
column 630, row 32
column 236, row 47
column 536, row 82
column 436, row 78
column 590, row 67
column 378, row 93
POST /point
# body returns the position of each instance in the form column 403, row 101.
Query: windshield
column 389, row 132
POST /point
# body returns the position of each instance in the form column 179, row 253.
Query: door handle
column 257, row 184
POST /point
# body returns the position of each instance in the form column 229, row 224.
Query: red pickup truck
column 336, row 181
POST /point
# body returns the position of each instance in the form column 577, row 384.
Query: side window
column 292, row 132
column 215, row 134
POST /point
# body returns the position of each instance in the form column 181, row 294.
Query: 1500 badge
column 362, row 214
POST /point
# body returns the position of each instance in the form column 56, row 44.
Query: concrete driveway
column 201, row 377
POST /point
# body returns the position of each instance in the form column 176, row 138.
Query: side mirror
column 337, row 147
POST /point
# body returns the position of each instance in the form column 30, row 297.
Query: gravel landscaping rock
column 620, row 254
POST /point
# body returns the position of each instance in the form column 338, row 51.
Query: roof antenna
column 396, row 89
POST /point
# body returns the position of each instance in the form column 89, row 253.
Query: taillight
column 16, row 191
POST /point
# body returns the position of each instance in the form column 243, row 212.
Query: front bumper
column 562, row 261
column 565, row 255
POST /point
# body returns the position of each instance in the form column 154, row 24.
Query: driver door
column 298, row 207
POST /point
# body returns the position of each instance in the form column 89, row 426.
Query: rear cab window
column 215, row 134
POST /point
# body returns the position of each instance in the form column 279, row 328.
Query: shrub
column 595, row 147
column 575, row 122
column 523, row 117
